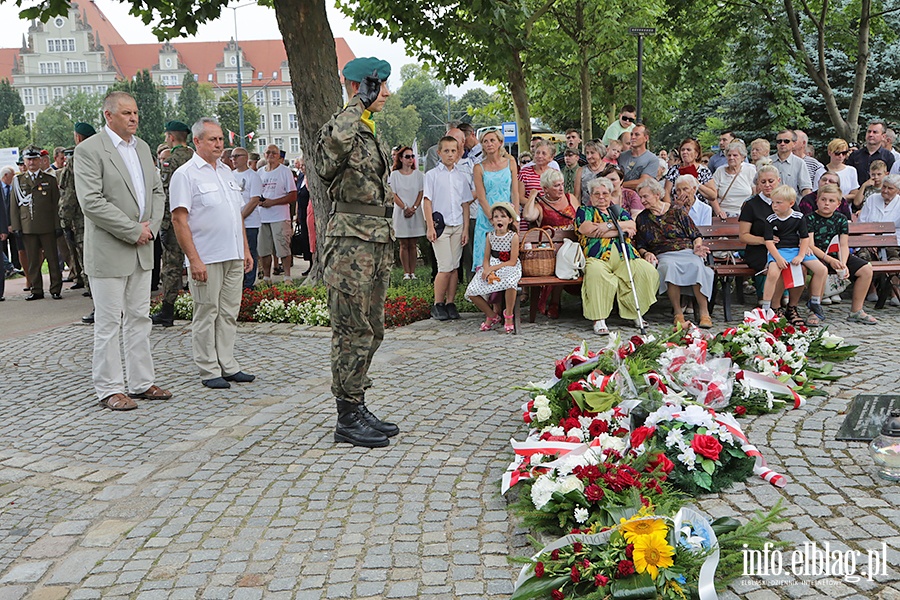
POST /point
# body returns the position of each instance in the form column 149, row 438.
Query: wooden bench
column 724, row 237
column 534, row 284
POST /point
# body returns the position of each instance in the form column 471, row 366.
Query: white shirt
column 128, row 152
column 700, row 213
column 875, row 211
column 448, row 191
column 251, row 186
column 277, row 183
column 213, row 200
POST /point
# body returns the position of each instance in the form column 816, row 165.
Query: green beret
column 177, row 126
column 84, row 129
column 360, row 68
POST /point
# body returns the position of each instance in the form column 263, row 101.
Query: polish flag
column 792, row 276
column 834, row 246
column 230, row 138
column 250, row 136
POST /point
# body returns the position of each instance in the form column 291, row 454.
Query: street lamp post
column 240, row 89
column 640, row 32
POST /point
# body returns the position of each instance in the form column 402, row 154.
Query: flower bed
column 620, row 439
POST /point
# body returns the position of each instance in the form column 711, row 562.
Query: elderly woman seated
column 667, row 237
column 606, row 275
column 686, row 187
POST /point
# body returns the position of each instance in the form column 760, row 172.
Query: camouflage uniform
column 71, row 217
column 358, row 248
column 172, row 256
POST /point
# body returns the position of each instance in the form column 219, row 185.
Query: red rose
column 740, row 410
column 560, row 368
column 570, row 423
column 597, row 427
column 790, row 330
column 636, row 340
column 539, row 570
column 557, row 595
column 739, row 375
column 576, row 386
column 576, row 547
column 661, row 462
column 600, row 580
column 777, row 333
column 504, row 256
column 574, row 412
column 639, row 435
column 625, row 568
column 786, row 369
column 554, row 555
column 707, row 446
column 586, row 564
column 629, row 551
column 574, row 575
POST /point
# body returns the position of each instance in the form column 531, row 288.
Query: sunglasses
column 842, row 153
column 627, row 119
column 408, row 156
column 783, row 141
column 491, row 128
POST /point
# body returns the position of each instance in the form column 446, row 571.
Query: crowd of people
column 636, row 215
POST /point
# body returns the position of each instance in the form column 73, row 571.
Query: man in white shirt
column 251, row 190
column 206, row 213
column 279, row 191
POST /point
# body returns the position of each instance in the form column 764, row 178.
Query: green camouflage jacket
column 355, row 167
column 179, row 156
column 69, row 211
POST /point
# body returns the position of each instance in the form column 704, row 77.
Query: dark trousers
column 34, row 243
column 250, row 276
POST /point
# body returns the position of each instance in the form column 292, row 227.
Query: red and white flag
column 834, row 246
column 250, row 136
column 230, row 138
column 793, row 276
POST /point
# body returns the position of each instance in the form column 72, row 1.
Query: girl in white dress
column 500, row 270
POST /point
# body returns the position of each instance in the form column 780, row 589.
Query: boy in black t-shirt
column 793, row 246
column 825, row 225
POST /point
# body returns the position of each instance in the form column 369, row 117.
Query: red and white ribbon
column 761, row 468
column 764, row 382
column 758, row 316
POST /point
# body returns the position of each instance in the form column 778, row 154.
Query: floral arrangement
column 184, row 307
column 271, row 310
column 311, row 312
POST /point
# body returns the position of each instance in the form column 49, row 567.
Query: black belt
column 364, row 209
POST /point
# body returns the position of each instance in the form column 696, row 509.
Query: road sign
column 640, row 31
column 510, row 132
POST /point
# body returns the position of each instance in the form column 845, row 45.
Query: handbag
column 538, row 257
column 297, row 241
column 569, row 260
column 834, row 285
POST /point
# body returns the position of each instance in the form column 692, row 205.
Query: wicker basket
column 537, row 261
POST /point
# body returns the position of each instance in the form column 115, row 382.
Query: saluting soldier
column 34, row 213
column 172, row 257
column 358, row 247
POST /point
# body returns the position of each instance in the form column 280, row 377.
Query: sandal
column 154, row 392
column 508, row 323
column 792, row 315
column 118, row 402
column 600, row 327
column 705, row 322
column 490, row 322
column 813, row 320
column 862, row 317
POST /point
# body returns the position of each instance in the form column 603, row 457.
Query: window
column 27, row 96
column 276, row 122
column 230, row 77
column 292, row 121
column 290, row 97
column 279, row 142
column 259, row 98
column 49, row 68
column 295, row 145
column 63, row 45
column 59, row 22
column 170, row 79
column 261, row 143
column 169, row 63
column 42, row 96
column 87, row 89
column 233, row 60
column 101, row 89
column 57, row 93
column 29, row 117
column 262, row 121
column 76, row 66
column 276, row 97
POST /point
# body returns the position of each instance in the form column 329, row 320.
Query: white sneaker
column 412, row 276
column 600, row 327
column 406, row 276
column 835, row 300
column 826, row 300
column 894, row 302
column 872, row 297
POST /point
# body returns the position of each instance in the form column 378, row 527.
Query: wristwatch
column 609, row 225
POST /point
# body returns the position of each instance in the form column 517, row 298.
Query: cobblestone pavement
column 243, row 494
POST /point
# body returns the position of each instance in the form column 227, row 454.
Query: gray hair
column 890, row 135
column 111, row 102
column 4, row 170
column 550, row 177
column 738, row 146
column 766, row 166
column 892, row 180
column 688, row 179
column 199, row 127
column 653, row 186
column 593, row 184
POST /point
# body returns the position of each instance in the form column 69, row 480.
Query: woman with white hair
column 606, row 273
column 685, row 195
column 668, row 238
column 733, row 181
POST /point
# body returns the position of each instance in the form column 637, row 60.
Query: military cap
column 360, row 68
column 31, row 152
column 69, row 151
column 21, row 160
column 84, row 129
column 45, row 152
column 177, row 126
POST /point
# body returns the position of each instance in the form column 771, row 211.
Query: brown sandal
column 154, row 392
column 118, row 402
column 793, row 316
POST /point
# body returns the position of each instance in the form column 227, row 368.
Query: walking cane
column 616, row 211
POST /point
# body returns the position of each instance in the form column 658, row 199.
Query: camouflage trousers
column 172, row 265
column 357, row 274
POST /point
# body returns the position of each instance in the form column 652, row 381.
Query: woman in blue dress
column 495, row 181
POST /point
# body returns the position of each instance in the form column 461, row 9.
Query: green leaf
column 579, row 371
column 703, row 479
column 708, row 465
column 724, row 525
column 595, row 401
column 633, row 588
column 538, row 588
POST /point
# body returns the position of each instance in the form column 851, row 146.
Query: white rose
column 568, row 484
column 541, row 400
column 543, row 413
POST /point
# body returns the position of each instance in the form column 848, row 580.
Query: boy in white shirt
column 448, row 191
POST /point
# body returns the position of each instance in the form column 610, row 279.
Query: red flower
column 600, row 580
column 576, row 547
column 504, row 256
column 574, row 575
column 625, row 480
column 740, row 410
column 594, row 492
column 636, row 340
column 576, row 386
column 597, row 427
column 739, row 375
column 707, row 446
column 639, row 435
column 557, row 595
column 625, row 568
column 570, row 423
column 661, row 462
column 586, row 564
column 539, row 570
column 554, row 555
column 777, row 333
column 629, row 551
column 574, row 412
column 560, row 368
column 790, row 330
column 786, row 369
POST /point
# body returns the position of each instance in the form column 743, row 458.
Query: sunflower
column 637, row 527
column 652, row 553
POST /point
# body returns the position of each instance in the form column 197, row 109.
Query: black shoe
column 86, row 294
column 439, row 312
column 165, row 316
column 216, row 383
column 353, row 428
column 31, row 297
column 88, row 319
column 388, row 429
column 452, row 313
column 2, row 298
column 240, row 377
column 56, row 296
column 77, row 286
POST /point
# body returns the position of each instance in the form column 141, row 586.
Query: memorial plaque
column 865, row 417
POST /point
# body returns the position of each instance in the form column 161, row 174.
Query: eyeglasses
column 627, row 119
column 783, row 141
column 842, row 153
column 491, row 128
column 408, row 156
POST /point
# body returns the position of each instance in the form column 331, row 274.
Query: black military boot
column 354, row 429
column 388, row 429
column 165, row 316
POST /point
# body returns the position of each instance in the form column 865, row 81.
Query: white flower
column 663, row 413
column 675, row 438
column 537, row 458
column 542, row 491
column 541, row 385
column 696, row 415
column 610, row 442
column 688, row 457
column 581, row 515
column 541, row 401
column 543, row 413
column 576, row 432
column 570, row 483
column 556, row 431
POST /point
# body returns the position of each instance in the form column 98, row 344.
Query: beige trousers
column 216, row 304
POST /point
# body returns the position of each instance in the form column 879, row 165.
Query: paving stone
column 75, row 566
column 26, row 572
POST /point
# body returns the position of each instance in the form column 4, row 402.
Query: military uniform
column 34, row 211
column 172, row 256
column 72, row 219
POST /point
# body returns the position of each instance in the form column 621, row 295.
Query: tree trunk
column 587, row 127
column 309, row 44
column 862, row 66
column 519, row 92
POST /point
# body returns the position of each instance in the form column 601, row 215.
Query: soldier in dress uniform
column 34, row 214
column 358, row 247
column 172, row 257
